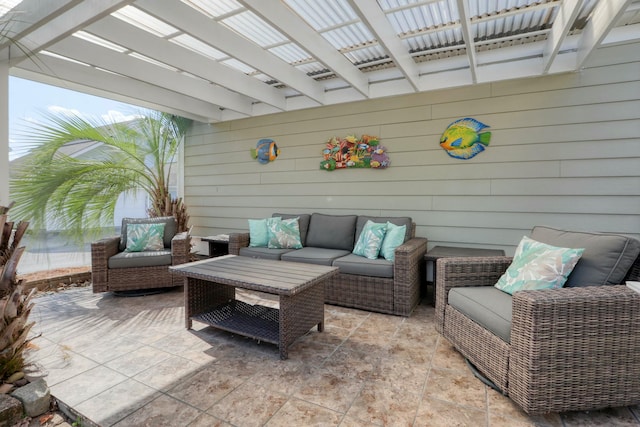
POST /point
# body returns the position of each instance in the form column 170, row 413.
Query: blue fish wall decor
column 464, row 138
column 266, row 151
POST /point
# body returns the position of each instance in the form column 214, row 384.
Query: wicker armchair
column 575, row 348
column 148, row 270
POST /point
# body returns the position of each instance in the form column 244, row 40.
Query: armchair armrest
column 180, row 248
column 406, row 274
column 573, row 345
column 101, row 251
column 237, row 241
column 464, row 271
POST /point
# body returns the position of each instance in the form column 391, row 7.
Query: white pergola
column 218, row 60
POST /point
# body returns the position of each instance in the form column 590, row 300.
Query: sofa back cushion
column 170, row 228
column 331, row 231
column 303, row 223
column 606, row 258
column 397, row 220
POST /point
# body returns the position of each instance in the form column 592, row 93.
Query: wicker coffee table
column 209, row 297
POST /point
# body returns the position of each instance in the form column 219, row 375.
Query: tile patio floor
column 130, row 362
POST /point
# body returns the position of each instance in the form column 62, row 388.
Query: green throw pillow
column 258, row 233
column 284, row 233
column 393, row 239
column 537, row 265
column 145, row 237
column 370, row 240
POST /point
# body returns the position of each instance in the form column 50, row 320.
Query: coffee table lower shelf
column 253, row 321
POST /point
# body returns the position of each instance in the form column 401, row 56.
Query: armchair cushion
column 140, row 259
column 487, row 306
column 170, row 228
column 606, row 259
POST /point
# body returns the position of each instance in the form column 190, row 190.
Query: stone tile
column 100, row 347
column 299, row 413
column 180, row 342
column 619, row 417
column 503, row 410
column 138, row 360
column 205, row 387
column 86, row 385
column 349, row 421
column 447, row 357
column 116, row 403
column 63, row 365
column 206, row 420
column 248, row 405
column 167, row 374
column 380, row 404
column 402, row 373
column 456, row 387
column 439, row 413
column 331, row 390
column 164, row 411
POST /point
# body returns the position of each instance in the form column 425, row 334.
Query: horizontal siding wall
column 564, row 151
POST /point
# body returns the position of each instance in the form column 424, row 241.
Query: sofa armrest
column 406, row 275
column 464, row 271
column 101, row 251
column 180, row 248
column 580, row 341
column 237, row 241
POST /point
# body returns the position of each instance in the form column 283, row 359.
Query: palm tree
column 80, row 194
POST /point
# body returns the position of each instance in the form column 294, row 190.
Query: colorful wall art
column 354, row 152
column 464, row 138
column 266, row 151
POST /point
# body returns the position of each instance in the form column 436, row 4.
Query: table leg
column 201, row 296
column 298, row 314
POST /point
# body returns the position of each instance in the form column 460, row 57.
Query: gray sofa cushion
column 606, row 259
column 321, row 256
column 361, row 266
column 264, row 253
column 397, row 220
column 487, row 306
column 303, row 223
column 170, row 228
column 332, row 231
column 140, row 259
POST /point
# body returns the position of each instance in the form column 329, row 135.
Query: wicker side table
column 448, row 252
column 218, row 245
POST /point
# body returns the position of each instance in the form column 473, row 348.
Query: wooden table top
column 270, row 276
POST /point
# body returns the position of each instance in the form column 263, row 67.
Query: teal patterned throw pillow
column 537, row 265
column 393, row 239
column 145, row 237
column 370, row 240
column 284, row 233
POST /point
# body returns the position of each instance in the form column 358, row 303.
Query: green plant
column 79, row 193
column 15, row 306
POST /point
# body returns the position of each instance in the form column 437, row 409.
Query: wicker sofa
column 375, row 285
column 114, row 269
column 551, row 350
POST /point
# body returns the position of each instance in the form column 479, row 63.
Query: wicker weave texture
column 399, row 295
column 106, row 279
column 571, row 348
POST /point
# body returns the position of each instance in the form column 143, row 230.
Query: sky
column 28, row 100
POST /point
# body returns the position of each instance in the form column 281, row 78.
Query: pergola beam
column 377, row 22
column 567, row 13
column 603, row 18
column 287, row 22
column 120, row 63
column 217, row 35
column 465, row 22
column 130, row 37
